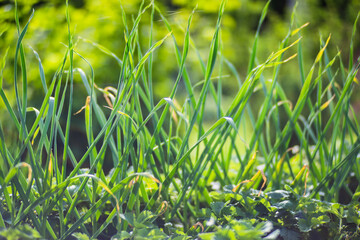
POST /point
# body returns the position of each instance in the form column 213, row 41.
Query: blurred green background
column 100, row 21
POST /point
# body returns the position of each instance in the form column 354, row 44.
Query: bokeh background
column 100, row 21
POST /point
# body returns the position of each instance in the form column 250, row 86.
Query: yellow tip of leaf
column 236, row 188
column 356, row 80
column 321, row 52
column 164, row 206
column 122, row 113
column 199, row 224
column 326, row 104
column 82, row 108
column 298, row 29
column 87, row 104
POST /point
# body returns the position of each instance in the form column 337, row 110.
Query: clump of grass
column 164, row 156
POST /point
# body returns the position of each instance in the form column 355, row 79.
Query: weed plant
column 173, row 174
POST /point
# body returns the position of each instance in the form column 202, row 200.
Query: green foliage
column 171, row 168
column 25, row 232
column 279, row 213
